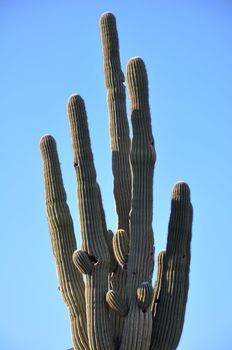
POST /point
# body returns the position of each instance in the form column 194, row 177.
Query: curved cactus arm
column 83, row 262
column 138, row 324
column 158, row 284
column 119, row 128
column 116, row 303
column 93, row 239
column 63, row 242
column 121, row 247
column 169, row 312
column 144, row 295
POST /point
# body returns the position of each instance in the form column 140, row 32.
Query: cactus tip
column 180, row 189
column 136, row 68
column 74, row 98
column 47, row 140
column 136, row 60
column 107, row 16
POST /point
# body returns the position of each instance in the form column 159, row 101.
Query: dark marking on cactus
column 93, row 259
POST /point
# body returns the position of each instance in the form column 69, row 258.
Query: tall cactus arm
column 63, row 242
column 93, row 240
column 120, row 146
column 138, row 324
column 170, row 301
column 119, row 128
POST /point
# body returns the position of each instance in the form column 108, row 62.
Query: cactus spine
column 116, row 307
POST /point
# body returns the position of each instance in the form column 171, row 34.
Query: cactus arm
column 170, row 310
column 63, row 242
column 121, row 247
column 138, row 324
column 116, row 303
column 120, row 146
column 158, row 284
column 83, row 262
column 119, row 128
column 144, row 295
column 93, row 240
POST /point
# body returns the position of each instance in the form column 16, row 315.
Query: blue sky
column 51, row 49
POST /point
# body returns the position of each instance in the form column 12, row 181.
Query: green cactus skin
column 121, row 247
column 144, row 295
column 63, row 242
column 119, row 128
column 114, row 309
column 138, row 324
column 116, row 303
column 173, row 277
column 92, row 234
column 120, row 146
column 82, row 261
column 108, row 234
column 160, row 266
column 109, row 239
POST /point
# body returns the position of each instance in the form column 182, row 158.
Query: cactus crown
column 116, row 306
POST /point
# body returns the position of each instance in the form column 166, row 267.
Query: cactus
column 115, row 306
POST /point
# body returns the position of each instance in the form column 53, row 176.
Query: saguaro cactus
column 116, row 307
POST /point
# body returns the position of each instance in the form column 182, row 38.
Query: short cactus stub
column 145, row 295
column 83, row 262
column 121, row 247
column 116, row 302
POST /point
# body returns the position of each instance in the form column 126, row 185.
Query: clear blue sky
column 50, row 49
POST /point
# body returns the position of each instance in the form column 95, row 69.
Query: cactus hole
column 93, row 259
